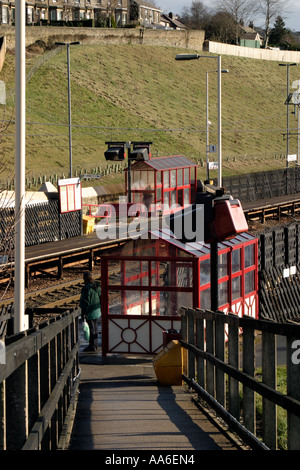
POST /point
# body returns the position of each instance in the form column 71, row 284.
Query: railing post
column 220, row 354
column 248, row 368
column 16, row 408
column 210, row 370
column 2, row 417
column 269, row 366
column 191, row 340
column 200, row 345
column 33, row 390
column 184, row 338
column 293, row 390
column 233, row 360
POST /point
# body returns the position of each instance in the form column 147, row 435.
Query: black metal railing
column 221, row 356
column 39, row 376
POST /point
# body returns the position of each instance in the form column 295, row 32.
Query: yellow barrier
column 87, row 224
column 168, row 364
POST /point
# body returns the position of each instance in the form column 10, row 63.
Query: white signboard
column 69, row 194
column 291, row 158
column 213, row 165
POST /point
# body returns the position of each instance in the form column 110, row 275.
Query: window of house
column 5, row 15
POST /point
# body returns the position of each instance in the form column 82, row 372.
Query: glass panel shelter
column 163, row 181
column 145, row 282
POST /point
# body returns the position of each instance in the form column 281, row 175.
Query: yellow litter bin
column 168, row 364
column 87, row 224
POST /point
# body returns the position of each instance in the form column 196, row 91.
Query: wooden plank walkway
column 122, row 407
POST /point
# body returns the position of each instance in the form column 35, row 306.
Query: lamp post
column 19, row 250
column 197, row 56
column 69, row 99
column 207, row 120
column 287, row 108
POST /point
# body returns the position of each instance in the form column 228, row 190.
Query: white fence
column 251, row 52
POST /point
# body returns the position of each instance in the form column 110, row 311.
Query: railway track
column 273, row 210
column 68, row 294
column 61, row 295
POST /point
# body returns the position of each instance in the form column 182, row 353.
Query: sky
column 291, row 19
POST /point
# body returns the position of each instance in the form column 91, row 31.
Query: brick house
column 144, row 13
column 40, row 11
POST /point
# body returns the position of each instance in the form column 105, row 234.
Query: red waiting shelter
column 145, row 282
column 163, row 180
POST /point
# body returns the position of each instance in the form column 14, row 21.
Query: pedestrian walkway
column 121, row 406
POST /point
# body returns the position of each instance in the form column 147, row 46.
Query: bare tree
column 270, row 9
column 195, row 16
column 240, row 10
column 221, row 28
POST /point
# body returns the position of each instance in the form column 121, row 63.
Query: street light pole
column 69, row 101
column 219, row 125
column 287, row 109
column 207, row 121
column 214, row 291
column 197, row 56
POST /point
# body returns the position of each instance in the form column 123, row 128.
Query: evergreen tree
column 278, row 32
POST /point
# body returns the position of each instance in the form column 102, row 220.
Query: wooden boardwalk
column 121, row 406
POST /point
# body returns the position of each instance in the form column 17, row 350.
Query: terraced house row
column 120, row 12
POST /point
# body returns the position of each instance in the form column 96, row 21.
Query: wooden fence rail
column 223, row 372
column 39, row 376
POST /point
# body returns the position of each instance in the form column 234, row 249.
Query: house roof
column 249, row 33
column 173, row 21
column 141, row 3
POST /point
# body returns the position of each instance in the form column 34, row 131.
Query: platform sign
column 212, row 149
column 70, row 195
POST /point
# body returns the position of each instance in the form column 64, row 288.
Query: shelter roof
column 167, row 163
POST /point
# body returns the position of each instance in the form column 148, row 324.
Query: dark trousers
column 93, row 333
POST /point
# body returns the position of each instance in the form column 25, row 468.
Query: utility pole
column 19, row 257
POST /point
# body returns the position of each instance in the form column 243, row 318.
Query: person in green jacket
column 90, row 304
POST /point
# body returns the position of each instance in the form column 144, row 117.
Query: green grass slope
column 136, row 92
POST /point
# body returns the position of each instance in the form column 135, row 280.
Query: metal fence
column 43, row 223
column 279, row 246
column 39, row 375
column 265, row 184
column 220, row 365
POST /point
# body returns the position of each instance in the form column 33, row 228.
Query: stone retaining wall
column 52, row 34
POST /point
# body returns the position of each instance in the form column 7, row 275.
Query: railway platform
column 90, row 242
column 122, row 407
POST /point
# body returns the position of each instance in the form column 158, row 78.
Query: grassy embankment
column 134, row 92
